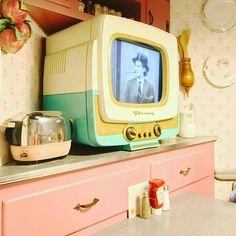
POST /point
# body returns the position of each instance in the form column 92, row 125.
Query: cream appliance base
column 40, row 152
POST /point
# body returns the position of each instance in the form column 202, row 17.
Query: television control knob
column 131, row 133
column 157, row 130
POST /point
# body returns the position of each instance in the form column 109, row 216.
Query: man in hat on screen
column 138, row 89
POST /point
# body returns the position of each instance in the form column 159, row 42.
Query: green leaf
column 19, row 35
column 2, row 27
column 5, row 22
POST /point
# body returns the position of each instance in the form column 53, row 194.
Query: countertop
column 190, row 215
column 83, row 157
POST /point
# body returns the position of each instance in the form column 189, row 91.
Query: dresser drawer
column 204, row 187
column 185, row 166
column 52, row 211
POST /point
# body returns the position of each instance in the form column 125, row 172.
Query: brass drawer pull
column 79, row 207
column 185, row 172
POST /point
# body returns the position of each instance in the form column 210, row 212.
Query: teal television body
column 83, row 76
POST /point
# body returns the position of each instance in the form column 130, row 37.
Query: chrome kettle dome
column 37, row 128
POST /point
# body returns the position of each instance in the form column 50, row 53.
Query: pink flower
column 13, row 10
column 9, row 42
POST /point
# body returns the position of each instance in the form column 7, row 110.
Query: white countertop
column 190, row 215
column 81, row 158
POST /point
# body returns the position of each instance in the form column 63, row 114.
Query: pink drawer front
column 203, row 187
column 183, row 167
column 51, row 212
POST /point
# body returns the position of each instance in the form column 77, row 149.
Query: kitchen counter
column 190, row 215
column 83, row 157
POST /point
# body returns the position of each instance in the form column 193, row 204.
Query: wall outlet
column 134, row 195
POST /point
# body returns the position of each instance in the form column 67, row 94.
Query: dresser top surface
column 81, row 158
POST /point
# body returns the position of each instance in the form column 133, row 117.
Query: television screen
column 136, row 71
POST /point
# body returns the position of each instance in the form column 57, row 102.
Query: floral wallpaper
column 20, row 82
column 215, row 107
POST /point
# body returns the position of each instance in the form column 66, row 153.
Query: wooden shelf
column 128, row 8
column 55, row 15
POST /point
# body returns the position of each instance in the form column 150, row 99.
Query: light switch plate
column 134, row 194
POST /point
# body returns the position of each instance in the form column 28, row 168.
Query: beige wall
column 20, row 82
column 215, row 107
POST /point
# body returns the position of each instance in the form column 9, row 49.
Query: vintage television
column 117, row 80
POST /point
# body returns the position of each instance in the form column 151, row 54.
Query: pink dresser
column 84, row 200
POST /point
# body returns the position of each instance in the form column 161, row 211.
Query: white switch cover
column 134, row 194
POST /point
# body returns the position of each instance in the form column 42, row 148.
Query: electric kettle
column 38, row 135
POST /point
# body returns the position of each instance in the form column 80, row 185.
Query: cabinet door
column 158, row 13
